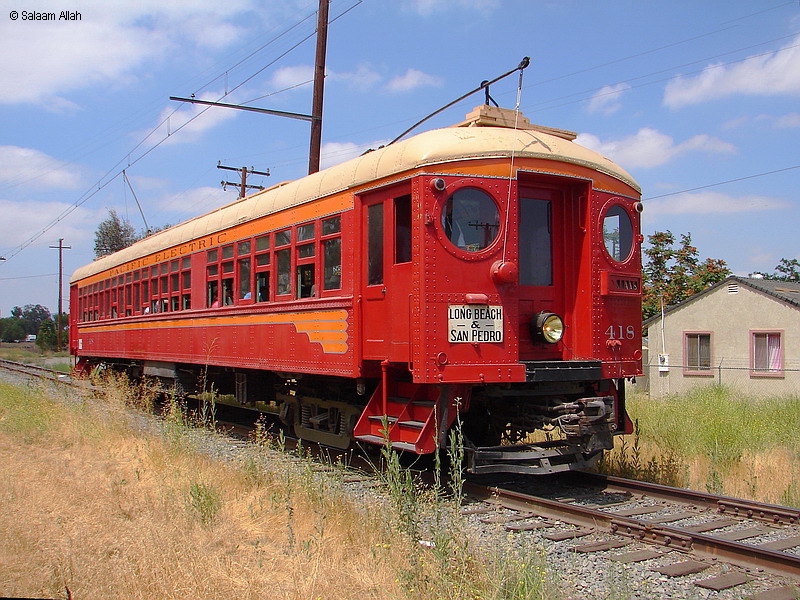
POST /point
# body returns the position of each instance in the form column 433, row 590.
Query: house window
column 698, row 353
column 766, row 354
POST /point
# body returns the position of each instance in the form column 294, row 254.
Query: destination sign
column 474, row 323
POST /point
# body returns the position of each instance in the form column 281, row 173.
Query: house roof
column 787, row 292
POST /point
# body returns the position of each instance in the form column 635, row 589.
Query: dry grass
column 93, row 504
column 715, row 440
column 768, row 476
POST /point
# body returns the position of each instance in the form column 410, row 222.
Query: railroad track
column 36, row 372
column 681, row 532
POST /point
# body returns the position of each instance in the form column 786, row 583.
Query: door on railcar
column 386, row 287
column 551, row 232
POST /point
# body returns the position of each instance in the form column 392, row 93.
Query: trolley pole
column 61, row 247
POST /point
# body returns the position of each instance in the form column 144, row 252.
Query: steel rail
column 735, row 507
column 672, row 537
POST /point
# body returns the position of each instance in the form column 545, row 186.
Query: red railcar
column 490, row 270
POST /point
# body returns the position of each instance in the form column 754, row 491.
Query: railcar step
column 372, row 439
column 380, row 418
column 378, row 440
column 414, row 424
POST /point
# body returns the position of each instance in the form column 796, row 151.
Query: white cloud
column 52, row 59
column 334, row 153
column 22, row 219
column 194, row 202
column 705, row 203
column 767, row 74
column 362, row 79
column 411, row 80
column 109, row 42
column 289, row 77
column 606, row 101
column 188, row 123
column 34, row 169
column 651, row 148
column 428, row 7
column 788, row 121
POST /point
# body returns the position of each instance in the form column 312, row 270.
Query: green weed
column 205, row 502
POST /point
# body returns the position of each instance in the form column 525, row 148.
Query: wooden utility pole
column 319, row 88
column 61, row 247
column 243, row 186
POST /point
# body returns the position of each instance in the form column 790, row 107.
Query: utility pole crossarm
column 243, row 185
column 277, row 113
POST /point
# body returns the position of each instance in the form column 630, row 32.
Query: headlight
column 549, row 327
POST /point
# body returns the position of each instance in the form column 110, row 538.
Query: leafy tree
column 46, row 339
column 113, row 234
column 673, row 274
column 33, row 316
column 786, row 270
column 12, row 330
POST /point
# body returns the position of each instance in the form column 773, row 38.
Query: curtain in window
column 767, row 352
column 774, row 351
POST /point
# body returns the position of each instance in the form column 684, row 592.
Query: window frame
column 755, row 371
column 697, row 370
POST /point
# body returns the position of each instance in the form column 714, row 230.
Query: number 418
column 621, row 332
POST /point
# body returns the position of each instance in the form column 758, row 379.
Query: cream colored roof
column 472, row 139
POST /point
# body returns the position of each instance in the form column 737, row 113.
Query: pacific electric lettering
column 176, row 252
column 474, row 324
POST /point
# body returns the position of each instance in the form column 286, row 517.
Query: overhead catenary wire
column 710, row 185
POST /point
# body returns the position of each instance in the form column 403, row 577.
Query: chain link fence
column 661, row 380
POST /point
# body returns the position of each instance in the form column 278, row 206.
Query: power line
column 28, row 277
column 703, row 187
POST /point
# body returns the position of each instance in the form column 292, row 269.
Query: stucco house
column 742, row 332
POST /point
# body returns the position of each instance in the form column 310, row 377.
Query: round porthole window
column 470, row 219
column 617, row 233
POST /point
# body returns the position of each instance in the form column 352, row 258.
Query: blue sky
column 698, row 100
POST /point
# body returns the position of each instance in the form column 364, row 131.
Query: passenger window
column 305, row 232
column 402, row 229
column 262, row 286
column 375, row 244
column 227, row 291
column 332, row 249
column 618, row 233
column 332, row 225
column 470, row 219
column 305, row 281
column 213, row 294
column 245, row 291
column 284, row 259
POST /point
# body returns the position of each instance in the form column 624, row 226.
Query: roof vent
column 733, row 288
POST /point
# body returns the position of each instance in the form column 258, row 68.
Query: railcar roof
column 485, row 134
